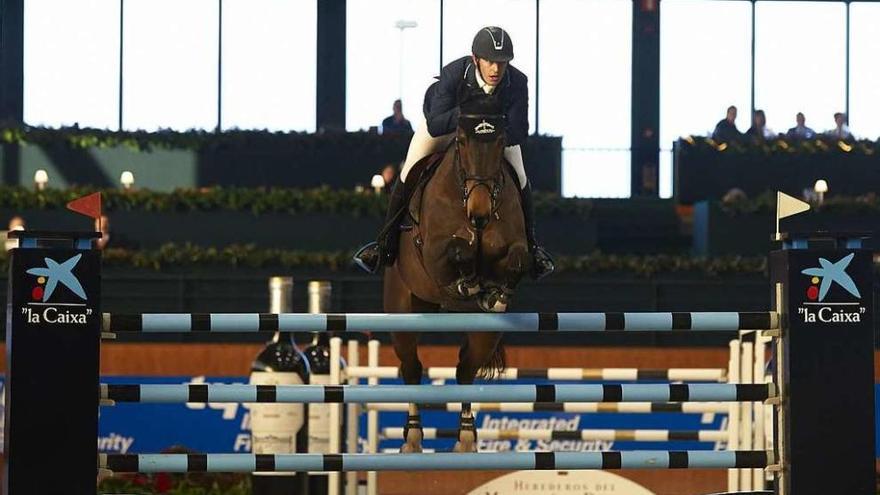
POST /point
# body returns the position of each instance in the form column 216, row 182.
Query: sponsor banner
column 560, row 483
column 132, row 428
column 827, row 293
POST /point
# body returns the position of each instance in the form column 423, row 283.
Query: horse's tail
column 495, row 365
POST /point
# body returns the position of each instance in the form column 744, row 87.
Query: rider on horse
column 484, row 74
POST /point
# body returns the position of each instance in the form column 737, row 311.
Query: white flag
column 787, row 206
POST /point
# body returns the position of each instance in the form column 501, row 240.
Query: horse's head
column 479, row 156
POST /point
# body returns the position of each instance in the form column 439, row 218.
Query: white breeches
column 423, row 144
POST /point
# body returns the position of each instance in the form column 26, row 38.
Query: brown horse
column 466, row 252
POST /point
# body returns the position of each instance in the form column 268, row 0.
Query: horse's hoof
column 413, row 442
column 465, row 290
column 493, row 302
column 411, row 449
column 467, row 441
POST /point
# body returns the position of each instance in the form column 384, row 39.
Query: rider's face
column 491, row 72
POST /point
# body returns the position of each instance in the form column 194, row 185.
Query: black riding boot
column 542, row 262
column 383, row 252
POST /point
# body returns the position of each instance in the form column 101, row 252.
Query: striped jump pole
column 334, row 394
column 559, row 374
column 586, row 435
column 246, row 463
column 567, row 407
column 442, row 322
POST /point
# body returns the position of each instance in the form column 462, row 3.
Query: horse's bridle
column 494, row 184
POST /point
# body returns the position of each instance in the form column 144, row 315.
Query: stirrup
column 368, row 258
column 543, row 263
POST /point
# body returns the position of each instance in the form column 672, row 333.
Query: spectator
column 726, row 131
column 801, row 131
column 389, row 173
column 15, row 223
column 841, row 129
column 759, row 130
column 396, row 123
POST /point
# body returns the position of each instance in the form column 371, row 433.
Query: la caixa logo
column 831, row 296
column 56, row 294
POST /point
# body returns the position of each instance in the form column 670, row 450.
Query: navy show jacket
column 458, row 82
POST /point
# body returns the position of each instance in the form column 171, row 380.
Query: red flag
column 89, row 206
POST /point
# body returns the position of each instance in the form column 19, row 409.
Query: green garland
column 780, row 145
column 255, row 200
column 205, row 141
column 82, row 138
column 765, row 204
column 188, row 256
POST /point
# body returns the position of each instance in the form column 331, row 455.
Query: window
column 463, row 18
column 705, row 67
column 269, row 64
column 169, row 75
column 800, row 62
column 386, row 63
column 585, row 88
column 864, row 73
column 71, row 63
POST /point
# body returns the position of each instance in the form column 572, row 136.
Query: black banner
column 828, row 370
column 52, row 345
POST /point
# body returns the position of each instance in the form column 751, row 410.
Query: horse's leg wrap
column 467, row 430
column 412, row 433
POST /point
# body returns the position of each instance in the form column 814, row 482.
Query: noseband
column 494, row 184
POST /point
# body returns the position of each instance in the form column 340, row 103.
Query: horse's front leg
column 507, row 271
column 406, row 348
column 462, row 256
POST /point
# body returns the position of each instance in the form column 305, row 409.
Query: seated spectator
column 726, row 131
column 841, row 129
column 396, row 123
column 801, row 131
column 759, row 130
column 15, row 223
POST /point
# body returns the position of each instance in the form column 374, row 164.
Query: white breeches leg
column 423, row 144
column 513, row 154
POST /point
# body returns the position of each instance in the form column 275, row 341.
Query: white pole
column 372, row 418
column 733, row 415
column 335, row 412
column 760, row 350
column 746, row 437
column 351, row 478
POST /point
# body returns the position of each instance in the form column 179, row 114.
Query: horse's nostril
column 479, row 222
